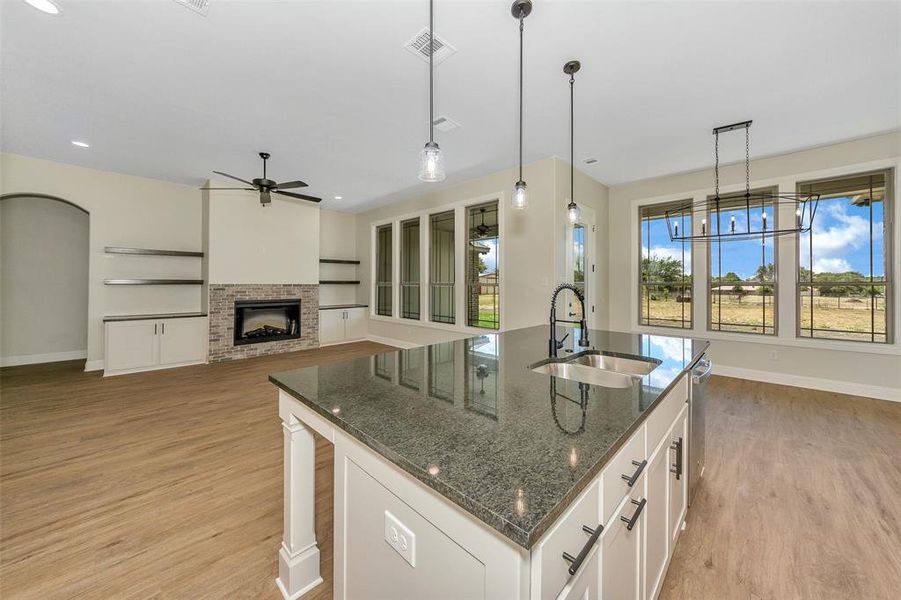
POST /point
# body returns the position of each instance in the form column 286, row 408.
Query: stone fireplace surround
column 222, row 299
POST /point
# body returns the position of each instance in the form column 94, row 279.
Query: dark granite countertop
column 512, row 447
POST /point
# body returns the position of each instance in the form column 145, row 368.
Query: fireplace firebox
column 266, row 321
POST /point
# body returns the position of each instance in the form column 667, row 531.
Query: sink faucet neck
column 553, row 343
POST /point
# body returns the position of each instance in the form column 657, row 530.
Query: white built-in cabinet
column 147, row 344
column 339, row 325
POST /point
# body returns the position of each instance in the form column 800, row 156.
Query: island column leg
column 298, row 558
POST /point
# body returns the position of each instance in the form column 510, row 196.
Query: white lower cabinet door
column 331, row 326
column 586, row 583
column 656, row 515
column 621, row 552
column 182, row 340
column 678, row 480
column 355, row 324
column 131, row 345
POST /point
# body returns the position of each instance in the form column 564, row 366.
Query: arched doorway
column 44, row 262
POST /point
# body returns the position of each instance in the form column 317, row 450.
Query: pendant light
column 431, row 161
column 805, row 205
column 520, row 9
column 572, row 209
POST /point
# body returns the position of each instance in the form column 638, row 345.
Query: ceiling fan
column 266, row 186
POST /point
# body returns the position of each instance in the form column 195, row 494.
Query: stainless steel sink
column 629, row 366
column 585, row 374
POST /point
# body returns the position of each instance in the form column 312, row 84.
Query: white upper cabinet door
column 678, row 480
column 657, row 513
column 131, row 345
column 621, row 551
column 183, row 340
column 355, row 324
column 331, row 326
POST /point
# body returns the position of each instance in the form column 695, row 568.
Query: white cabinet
column 657, row 540
column 678, row 480
column 621, row 553
column 147, row 344
column 586, row 584
column 339, row 325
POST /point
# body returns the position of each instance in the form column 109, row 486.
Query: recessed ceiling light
column 80, row 144
column 339, row 197
column 44, row 6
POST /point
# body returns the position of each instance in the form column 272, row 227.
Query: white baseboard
column 827, row 385
column 33, row 359
column 93, row 365
column 392, row 342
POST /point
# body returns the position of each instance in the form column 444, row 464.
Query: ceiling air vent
column 444, row 123
column 419, row 46
column 199, row 6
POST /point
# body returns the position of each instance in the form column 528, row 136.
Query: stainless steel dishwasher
column 700, row 373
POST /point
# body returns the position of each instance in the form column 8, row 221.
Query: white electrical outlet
column 400, row 538
column 774, row 355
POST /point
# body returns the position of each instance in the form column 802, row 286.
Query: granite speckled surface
column 469, row 419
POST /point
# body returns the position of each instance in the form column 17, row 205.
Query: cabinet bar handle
column 154, row 329
column 577, row 561
column 164, row 328
column 634, row 477
column 677, row 468
column 630, row 523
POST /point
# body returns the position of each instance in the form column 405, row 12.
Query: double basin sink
column 594, row 368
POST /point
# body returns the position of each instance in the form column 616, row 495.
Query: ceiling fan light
column 520, row 195
column 431, row 163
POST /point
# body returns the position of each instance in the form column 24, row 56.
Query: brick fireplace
column 222, row 301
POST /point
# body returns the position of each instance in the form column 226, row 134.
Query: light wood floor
column 168, row 485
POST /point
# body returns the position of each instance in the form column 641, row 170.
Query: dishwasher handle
column 699, row 377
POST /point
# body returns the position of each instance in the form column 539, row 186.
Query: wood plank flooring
column 168, row 485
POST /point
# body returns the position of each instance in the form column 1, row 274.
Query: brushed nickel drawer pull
column 576, row 561
column 630, row 523
column 634, row 477
column 677, row 468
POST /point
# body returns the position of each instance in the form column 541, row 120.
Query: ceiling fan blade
column 300, row 196
column 265, row 198
column 233, row 177
column 220, row 188
column 291, row 184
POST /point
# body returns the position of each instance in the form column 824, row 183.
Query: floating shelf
column 339, row 261
column 153, row 281
column 338, row 282
column 150, row 252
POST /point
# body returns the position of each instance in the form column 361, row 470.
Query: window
column 741, row 285
column 844, row 262
column 482, row 289
column 383, row 290
column 578, row 268
column 441, row 268
column 409, row 269
column 665, row 270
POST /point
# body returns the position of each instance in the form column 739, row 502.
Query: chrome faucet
column 553, row 343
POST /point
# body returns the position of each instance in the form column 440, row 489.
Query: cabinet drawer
column 661, row 419
column 624, row 463
column 567, row 536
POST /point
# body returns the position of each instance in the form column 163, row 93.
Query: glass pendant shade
column 573, row 213
column 520, row 195
column 431, row 163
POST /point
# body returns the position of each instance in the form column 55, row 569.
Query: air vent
column 201, row 7
column 590, row 161
column 444, row 124
column 419, row 46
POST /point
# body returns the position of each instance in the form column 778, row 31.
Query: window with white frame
column 409, row 269
column 741, row 274
column 442, row 265
column 665, row 267
column 844, row 263
column 383, row 274
column 482, row 276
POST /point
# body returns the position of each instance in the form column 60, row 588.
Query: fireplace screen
column 266, row 321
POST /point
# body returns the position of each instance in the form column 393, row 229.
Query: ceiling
column 329, row 90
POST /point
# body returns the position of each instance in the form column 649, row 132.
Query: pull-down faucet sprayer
column 553, row 343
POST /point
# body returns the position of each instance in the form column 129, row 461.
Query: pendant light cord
column 716, row 163
column 431, row 73
column 747, row 161
column 521, row 16
column 572, row 140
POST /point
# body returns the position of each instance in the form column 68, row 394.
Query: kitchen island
column 461, row 472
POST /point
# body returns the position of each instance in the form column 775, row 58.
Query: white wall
column 245, row 242
column 123, row 211
column 338, row 239
column 531, row 240
column 43, row 281
column 840, row 366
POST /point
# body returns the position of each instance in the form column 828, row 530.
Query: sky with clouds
column 841, row 236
